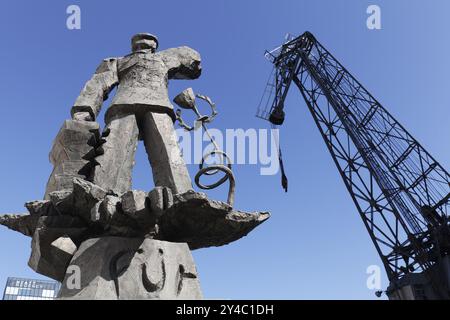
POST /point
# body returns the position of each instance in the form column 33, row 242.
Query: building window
column 30, row 289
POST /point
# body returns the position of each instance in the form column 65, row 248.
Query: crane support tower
column 400, row 191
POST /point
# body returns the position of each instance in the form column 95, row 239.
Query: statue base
column 117, row 268
column 130, row 246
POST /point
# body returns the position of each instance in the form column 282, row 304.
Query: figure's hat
column 143, row 36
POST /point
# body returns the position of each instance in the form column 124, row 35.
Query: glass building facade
column 30, row 289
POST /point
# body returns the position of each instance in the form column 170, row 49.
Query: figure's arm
column 182, row 62
column 96, row 90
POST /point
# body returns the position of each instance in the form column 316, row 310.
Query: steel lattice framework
column 400, row 191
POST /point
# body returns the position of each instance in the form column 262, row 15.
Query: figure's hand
column 82, row 116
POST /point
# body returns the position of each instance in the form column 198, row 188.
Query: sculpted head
column 144, row 41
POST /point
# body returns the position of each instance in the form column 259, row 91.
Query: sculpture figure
column 140, row 110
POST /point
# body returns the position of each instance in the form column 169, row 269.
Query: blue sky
column 314, row 246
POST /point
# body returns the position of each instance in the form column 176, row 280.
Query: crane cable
column 284, row 179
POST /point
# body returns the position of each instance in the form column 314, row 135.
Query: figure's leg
column 168, row 167
column 116, row 163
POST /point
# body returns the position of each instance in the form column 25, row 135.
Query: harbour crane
column 400, row 191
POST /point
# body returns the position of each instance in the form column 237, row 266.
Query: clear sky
column 314, row 246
